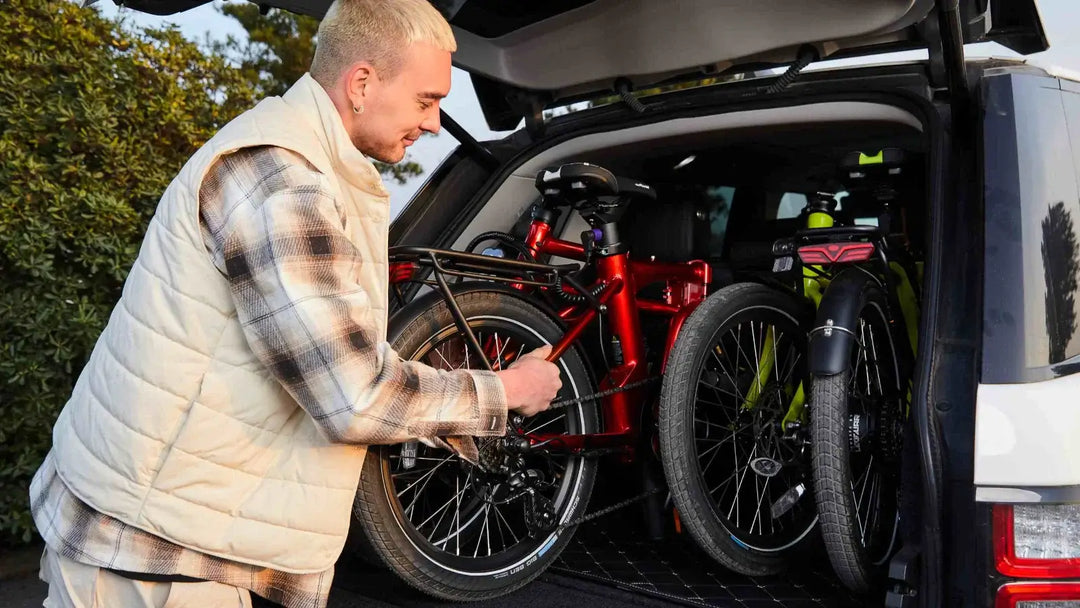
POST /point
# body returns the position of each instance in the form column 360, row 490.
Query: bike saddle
column 581, row 181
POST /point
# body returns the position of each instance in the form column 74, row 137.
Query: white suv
column 990, row 496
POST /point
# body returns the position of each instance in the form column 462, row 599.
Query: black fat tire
column 831, row 453
column 677, row 405
column 376, row 513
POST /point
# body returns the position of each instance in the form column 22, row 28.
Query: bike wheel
column 453, row 530
column 737, row 477
column 855, row 428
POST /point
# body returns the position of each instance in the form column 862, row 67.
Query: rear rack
column 405, row 261
column 481, row 267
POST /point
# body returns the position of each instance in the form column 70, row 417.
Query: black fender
column 833, row 335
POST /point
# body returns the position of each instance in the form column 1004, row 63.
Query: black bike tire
column 830, row 450
column 374, row 513
column 677, row 449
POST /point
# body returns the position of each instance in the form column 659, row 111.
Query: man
column 211, row 448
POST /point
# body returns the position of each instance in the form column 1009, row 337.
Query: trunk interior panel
column 729, row 185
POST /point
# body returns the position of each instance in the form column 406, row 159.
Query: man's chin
column 390, row 158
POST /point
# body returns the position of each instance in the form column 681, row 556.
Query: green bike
column 801, row 388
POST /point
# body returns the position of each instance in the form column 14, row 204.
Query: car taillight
column 1038, row 595
column 1037, row 541
column 836, row 253
column 402, row 271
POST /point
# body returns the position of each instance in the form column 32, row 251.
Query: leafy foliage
column 1061, row 269
column 278, row 51
column 95, row 121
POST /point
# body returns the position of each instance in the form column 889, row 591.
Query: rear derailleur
column 503, row 462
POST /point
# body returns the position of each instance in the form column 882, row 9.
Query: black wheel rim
column 460, row 518
column 753, row 470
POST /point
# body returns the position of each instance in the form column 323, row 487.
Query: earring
column 358, row 109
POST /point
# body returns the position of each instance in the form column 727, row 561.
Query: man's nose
column 431, row 123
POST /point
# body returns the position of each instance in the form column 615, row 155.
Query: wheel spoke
column 790, row 369
column 733, row 432
column 509, row 528
column 487, row 525
column 498, row 527
column 436, row 350
column 776, row 351
column 455, row 522
column 862, row 354
column 430, row 472
column 417, row 494
column 724, row 368
column 499, row 352
column 750, row 365
column 721, row 390
column 872, row 516
column 738, row 484
column 706, row 468
column 725, row 482
column 859, row 502
column 537, row 429
column 483, row 528
column 443, row 510
column 761, row 496
column 858, row 519
column 419, row 458
column 877, row 365
column 757, row 359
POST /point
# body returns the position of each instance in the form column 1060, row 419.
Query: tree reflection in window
column 1061, row 261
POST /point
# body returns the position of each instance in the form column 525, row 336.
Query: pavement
column 19, row 584
column 357, row 585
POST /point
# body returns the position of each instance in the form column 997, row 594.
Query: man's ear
column 357, row 79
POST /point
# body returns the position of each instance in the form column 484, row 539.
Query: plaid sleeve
column 291, row 265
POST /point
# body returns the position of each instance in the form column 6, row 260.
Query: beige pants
column 75, row 585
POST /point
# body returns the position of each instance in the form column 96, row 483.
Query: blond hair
column 376, row 31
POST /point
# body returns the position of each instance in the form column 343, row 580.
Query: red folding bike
column 472, row 530
column 462, row 530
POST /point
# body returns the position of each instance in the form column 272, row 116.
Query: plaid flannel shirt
column 278, row 236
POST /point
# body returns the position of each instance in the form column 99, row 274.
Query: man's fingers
column 540, row 353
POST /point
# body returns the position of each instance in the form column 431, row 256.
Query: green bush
column 95, row 120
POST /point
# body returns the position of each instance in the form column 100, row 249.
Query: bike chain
column 561, row 403
column 609, row 509
column 624, row 503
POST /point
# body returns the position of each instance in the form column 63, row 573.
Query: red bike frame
column 619, row 278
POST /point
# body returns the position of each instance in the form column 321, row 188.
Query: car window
column 1032, row 223
column 719, row 211
column 1060, row 228
column 791, row 205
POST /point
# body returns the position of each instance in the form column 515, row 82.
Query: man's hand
column 531, row 382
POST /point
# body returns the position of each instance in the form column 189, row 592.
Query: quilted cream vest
column 174, row 426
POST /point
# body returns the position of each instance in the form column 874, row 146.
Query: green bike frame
column 813, row 285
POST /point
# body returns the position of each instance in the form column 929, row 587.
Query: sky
column 1061, row 19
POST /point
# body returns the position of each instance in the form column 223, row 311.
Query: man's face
column 399, row 109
